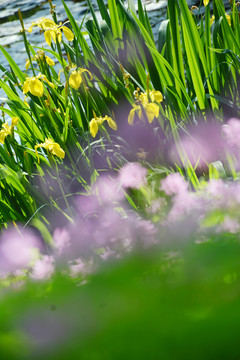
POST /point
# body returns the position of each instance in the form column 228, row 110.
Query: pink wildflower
column 174, row 184
column 107, row 254
column 132, row 175
column 86, row 204
column 183, row 204
column 108, row 190
column 229, row 224
column 79, row 267
column 17, row 249
column 43, row 268
column 203, row 145
column 216, row 187
column 61, row 238
column 232, row 132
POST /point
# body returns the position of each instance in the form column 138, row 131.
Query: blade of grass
column 115, row 22
column 195, row 46
column 193, row 64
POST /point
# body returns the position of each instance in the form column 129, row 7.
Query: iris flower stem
column 61, row 56
column 46, row 69
column 25, row 41
column 51, row 119
column 53, row 11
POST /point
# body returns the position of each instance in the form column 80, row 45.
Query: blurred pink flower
column 235, row 191
column 174, row 184
column 132, row 175
column 203, row 145
column 43, row 268
column 108, row 190
column 230, row 225
column 61, row 237
column 112, row 229
column 156, row 206
column 86, row 204
column 183, row 204
column 17, row 249
column 107, row 254
column 232, row 132
column 79, row 267
column 216, row 187
column 145, row 233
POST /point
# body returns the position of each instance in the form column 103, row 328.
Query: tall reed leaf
column 115, row 22
column 193, row 64
column 104, row 12
column 176, row 43
column 196, row 48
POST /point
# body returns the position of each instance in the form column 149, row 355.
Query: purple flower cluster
column 214, row 206
column 106, row 228
column 103, row 228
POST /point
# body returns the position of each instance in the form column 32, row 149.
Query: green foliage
column 195, row 65
column 178, row 300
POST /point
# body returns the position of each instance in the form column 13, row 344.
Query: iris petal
column 93, row 126
column 26, row 87
column 36, row 87
column 55, row 149
column 75, row 80
column 67, row 32
column 48, row 37
column 51, row 146
column 152, row 111
column 111, row 123
column 156, row 96
column 131, row 116
column 50, row 61
column 47, row 24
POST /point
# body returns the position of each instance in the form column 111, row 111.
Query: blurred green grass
column 159, row 304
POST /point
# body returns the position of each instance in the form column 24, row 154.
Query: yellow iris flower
column 205, row 2
column 43, row 23
column 75, row 79
column 6, row 129
column 150, row 108
column 51, row 146
column 96, row 122
column 228, row 17
column 40, row 57
column 35, row 86
column 52, row 30
column 154, row 96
